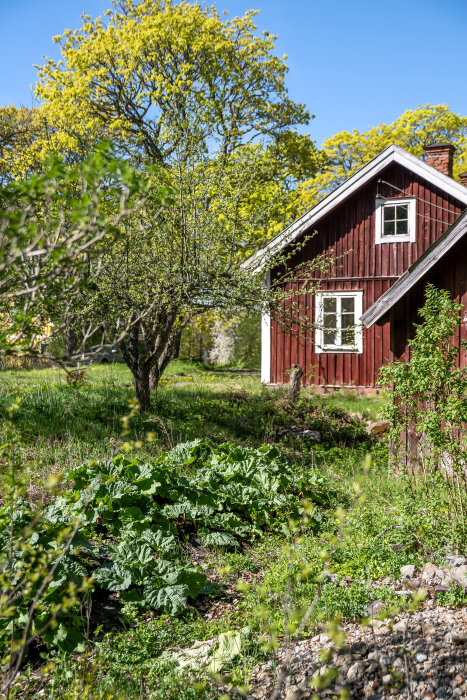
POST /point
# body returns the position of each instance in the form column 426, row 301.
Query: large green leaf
column 69, row 639
column 217, row 539
column 112, row 577
column 172, row 599
column 128, row 553
column 160, row 538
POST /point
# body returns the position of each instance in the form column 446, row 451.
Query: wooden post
column 296, row 375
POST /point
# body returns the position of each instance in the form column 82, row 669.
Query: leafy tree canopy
column 347, row 152
column 55, row 230
column 152, row 73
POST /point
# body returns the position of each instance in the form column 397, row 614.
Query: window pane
column 389, row 213
column 348, row 329
column 389, row 228
column 330, row 321
column 329, row 304
column 330, row 337
column 348, row 336
column 402, row 211
column 402, row 228
column 348, row 305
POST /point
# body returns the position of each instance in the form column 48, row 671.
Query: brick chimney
column 463, row 178
column 441, row 157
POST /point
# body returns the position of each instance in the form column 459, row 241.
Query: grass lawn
column 390, row 521
column 62, row 426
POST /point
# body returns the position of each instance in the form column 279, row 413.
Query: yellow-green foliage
column 148, row 71
column 163, row 78
column 347, row 151
column 22, row 137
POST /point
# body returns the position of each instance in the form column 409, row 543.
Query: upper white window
column 395, row 220
column 338, row 327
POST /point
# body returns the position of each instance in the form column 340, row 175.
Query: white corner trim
column 319, row 329
column 266, row 339
column 392, row 154
column 411, row 236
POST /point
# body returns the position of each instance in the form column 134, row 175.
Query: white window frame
column 320, row 346
column 397, row 238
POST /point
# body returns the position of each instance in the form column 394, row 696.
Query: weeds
column 389, row 521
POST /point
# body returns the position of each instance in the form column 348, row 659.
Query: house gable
column 391, row 155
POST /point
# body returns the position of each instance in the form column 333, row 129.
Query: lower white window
column 338, row 327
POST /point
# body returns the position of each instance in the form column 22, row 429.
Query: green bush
column 136, row 520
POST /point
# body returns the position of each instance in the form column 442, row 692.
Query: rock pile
column 420, row 655
column 437, row 578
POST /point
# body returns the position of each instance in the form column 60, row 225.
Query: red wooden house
column 379, row 223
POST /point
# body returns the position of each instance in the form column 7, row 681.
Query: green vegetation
column 229, row 531
column 62, row 426
column 435, row 371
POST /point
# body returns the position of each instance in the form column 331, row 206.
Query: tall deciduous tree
column 173, row 84
column 169, row 270
column 155, row 69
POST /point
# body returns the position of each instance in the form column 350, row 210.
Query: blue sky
column 354, row 63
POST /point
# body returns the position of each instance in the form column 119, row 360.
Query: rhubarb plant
column 137, row 521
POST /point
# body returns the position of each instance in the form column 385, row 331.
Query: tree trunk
column 139, row 368
column 70, row 341
column 142, row 386
column 170, row 352
column 154, row 378
column 295, row 382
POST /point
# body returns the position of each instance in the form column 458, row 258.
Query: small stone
column 459, row 574
column 359, row 648
column 420, row 657
column 375, row 607
column 459, row 637
column 400, row 626
column 456, row 560
column 376, row 624
column 387, row 679
column 428, row 576
column 440, row 693
column 408, row 571
column 314, row 435
column 293, row 693
column 355, row 671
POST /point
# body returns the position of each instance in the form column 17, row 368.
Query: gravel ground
column 417, row 655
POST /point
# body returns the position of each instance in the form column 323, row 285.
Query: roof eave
column 416, row 272
column 391, row 154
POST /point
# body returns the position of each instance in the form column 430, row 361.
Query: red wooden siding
column 361, row 265
column 450, row 273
